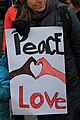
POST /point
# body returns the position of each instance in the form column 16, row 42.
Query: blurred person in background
column 4, row 89
column 75, row 5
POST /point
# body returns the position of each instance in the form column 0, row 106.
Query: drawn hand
column 48, row 69
column 25, row 69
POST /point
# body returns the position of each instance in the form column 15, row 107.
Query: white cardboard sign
column 37, row 71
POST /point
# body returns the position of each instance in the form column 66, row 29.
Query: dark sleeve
column 75, row 37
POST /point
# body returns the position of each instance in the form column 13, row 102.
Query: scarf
column 35, row 18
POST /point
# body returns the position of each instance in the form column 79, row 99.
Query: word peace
column 43, row 46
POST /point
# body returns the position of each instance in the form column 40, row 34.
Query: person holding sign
column 39, row 13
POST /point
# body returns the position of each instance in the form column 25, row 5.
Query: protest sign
column 37, row 71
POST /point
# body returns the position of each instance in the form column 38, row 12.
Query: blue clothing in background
column 4, row 89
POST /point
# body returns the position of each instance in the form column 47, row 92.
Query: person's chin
column 40, row 9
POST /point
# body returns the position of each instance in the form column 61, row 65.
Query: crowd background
column 3, row 9
column 4, row 5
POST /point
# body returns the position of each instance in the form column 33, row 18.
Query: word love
column 55, row 100
column 43, row 46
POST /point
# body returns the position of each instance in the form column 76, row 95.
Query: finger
column 39, row 75
column 39, row 61
column 33, row 75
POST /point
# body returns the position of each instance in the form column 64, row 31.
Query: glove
column 21, row 26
